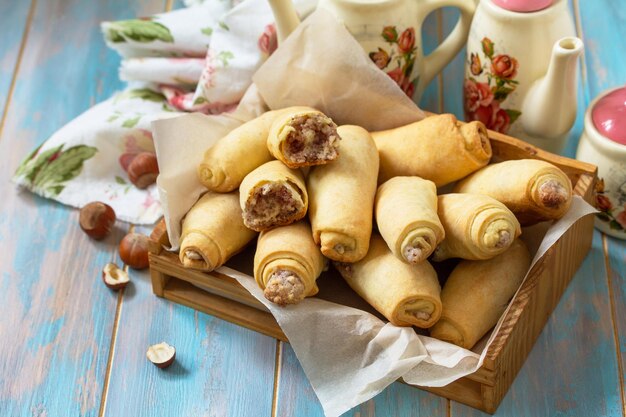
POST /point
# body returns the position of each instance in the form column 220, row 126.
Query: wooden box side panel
column 533, row 306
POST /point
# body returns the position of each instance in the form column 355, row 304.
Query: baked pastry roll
column 477, row 293
column 273, row 195
column 438, row 148
column 477, row 227
column 287, row 262
column 234, row 156
column 303, row 136
column 406, row 294
column 341, row 197
column 406, row 214
column 213, row 231
column 533, row 190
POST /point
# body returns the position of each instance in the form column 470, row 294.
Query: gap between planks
column 277, row 371
column 113, row 344
column 609, row 279
column 118, row 313
column 18, row 62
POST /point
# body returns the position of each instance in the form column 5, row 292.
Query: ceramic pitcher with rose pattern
column 390, row 33
column 521, row 69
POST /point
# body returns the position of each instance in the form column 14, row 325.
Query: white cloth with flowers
column 196, row 59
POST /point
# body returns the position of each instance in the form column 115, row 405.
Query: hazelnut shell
column 97, row 219
column 143, row 170
column 134, row 249
column 114, row 277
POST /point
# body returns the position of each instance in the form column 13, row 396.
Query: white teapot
column 521, row 69
column 390, row 32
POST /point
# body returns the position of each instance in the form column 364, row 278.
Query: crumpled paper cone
column 321, row 65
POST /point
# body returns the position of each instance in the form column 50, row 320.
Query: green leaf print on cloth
column 143, row 31
column 46, row 172
column 142, row 93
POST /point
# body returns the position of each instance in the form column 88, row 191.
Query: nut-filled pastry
column 287, row 262
column 213, row 231
column 533, row 190
column 341, row 197
column 477, row 293
column 406, row 214
column 303, row 136
column 273, row 195
column 234, row 156
column 437, row 148
column 406, row 294
column 477, row 227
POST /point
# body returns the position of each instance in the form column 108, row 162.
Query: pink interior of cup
column 523, row 6
column 609, row 116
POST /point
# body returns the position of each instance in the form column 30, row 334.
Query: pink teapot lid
column 523, row 6
column 609, row 115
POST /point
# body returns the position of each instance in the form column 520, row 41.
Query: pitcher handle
column 285, row 16
column 437, row 59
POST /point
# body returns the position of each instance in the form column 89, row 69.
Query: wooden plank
column 297, row 398
column 603, row 24
column 571, row 370
column 221, row 368
column 615, row 252
column 57, row 316
column 13, row 20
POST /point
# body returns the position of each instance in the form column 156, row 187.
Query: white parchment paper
column 348, row 354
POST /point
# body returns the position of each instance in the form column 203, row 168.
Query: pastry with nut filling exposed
column 406, row 214
column 303, row 136
column 273, row 195
column 477, row 227
column 533, row 190
column 287, row 262
column 406, row 294
column 213, row 231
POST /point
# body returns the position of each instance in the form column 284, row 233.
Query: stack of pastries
column 313, row 191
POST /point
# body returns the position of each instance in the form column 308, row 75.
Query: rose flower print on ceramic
column 398, row 62
column 483, row 98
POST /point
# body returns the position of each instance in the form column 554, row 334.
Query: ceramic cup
column 390, row 32
column 609, row 155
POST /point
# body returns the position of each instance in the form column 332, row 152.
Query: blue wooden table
column 70, row 347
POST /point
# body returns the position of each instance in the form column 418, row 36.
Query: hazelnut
column 134, row 250
column 114, row 277
column 143, row 170
column 161, row 354
column 97, row 219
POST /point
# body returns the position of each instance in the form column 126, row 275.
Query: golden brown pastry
column 533, row 190
column 477, row 227
column 477, row 293
column 287, row 262
column 213, row 231
column 406, row 214
column 273, row 195
column 406, row 294
column 234, row 156
column 303, row 136
column 341, row 197
column 438, row 148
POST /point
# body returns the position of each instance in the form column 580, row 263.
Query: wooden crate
column 222, row 296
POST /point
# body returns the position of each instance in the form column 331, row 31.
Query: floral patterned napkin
column 197, row 59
